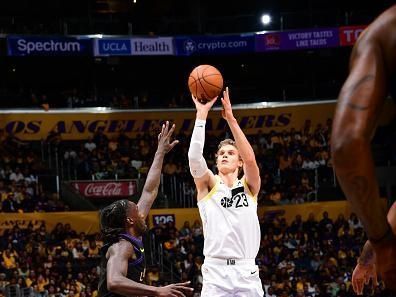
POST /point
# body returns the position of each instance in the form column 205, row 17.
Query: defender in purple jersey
column 122, row 225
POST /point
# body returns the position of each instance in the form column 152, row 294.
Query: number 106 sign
column 163, row 219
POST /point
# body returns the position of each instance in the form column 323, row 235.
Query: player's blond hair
column 225, row 142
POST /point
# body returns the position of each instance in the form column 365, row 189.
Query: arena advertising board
column 48, row 46
column 81, row 221
column 349, row 34
column 76, row 124
column 215, row 44
column 150, row 46
column 113, row 47
column 87, row 221
column 106, row 189
column 298, row 39
column 85, row 45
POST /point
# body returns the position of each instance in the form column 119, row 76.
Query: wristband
column 388, row 235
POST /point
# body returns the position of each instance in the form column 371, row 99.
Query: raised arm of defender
column 150, row 189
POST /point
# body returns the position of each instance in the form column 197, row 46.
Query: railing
column 49, row 182
column 17, row 291
column 29, row 292
column 12, row 291
column 177, row 191
column 158, row 258
column 74, row 200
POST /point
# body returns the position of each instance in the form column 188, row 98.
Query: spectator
column 16, row 176
column 90, row 145
column 275, row 195
column 153, row 276
column 185, row 231
column 99, row 138
column 197, row 231
column 113, row 145
column 354, row 222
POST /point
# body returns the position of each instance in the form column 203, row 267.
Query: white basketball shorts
column 231, row 278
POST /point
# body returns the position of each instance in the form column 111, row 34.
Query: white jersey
column 230, row 222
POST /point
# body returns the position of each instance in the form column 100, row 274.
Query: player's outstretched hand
column 227, row 109
column 386, row 262
column 164, row 144
column 361, row 276
column 174, row 290
column 205, row 107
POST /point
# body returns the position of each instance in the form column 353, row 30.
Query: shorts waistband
column 239, row 262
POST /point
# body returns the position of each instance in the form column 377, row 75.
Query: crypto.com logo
column 190, row 46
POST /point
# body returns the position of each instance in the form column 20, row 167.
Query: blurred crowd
column 20, row 188
column 311, row 258
column 43, row 262
column 292, row 162
column 117, row 98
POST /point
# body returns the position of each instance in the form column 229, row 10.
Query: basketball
column 205, row 83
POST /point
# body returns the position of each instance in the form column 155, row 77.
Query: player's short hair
column 225, row 142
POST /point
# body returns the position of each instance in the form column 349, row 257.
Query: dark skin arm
column 359, row 105
column 367, row 255
column 117, row 282
column 150, row 189
column 366, row 268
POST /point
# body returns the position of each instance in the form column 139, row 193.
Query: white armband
column 196, row 160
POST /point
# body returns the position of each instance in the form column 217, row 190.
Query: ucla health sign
column 48, row 46
column 113, row 47
column 150, row 46
column 212, row 45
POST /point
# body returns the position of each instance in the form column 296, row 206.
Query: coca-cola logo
column 108, row 189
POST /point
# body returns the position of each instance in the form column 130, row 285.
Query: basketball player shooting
column 228, row 208
column 372, row 65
